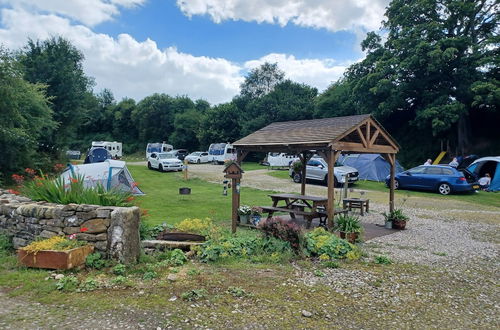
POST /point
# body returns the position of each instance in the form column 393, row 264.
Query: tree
column 58, row 64
column 261, row 80
column 24, row 117
column 219, row 124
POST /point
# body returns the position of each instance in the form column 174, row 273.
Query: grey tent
column 110, row 174
column 370, row 166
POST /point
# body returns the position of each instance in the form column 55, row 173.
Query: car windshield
column 166, row 156
column 195, row 154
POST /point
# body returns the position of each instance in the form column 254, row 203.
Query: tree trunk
column 463, row 134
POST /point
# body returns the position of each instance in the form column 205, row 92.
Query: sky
column 198, row 48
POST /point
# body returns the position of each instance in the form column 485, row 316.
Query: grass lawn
column 250, row 166
column 164, row 204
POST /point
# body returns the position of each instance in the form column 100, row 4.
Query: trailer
column 157, row 148
column 218, row 153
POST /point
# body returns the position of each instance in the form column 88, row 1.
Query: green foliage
column 284, row 230
column 383, row 260
column 237, row 292
column 89, row 284
column 330, row 264
column 5, row 244
column 196, row 226
column 95, row 260
column 193, row 272
column 119, row 280
column 319, row 273
column 67, row 283
column 61, row 192
column 325, row 245
column 150, row 275
column 150, row 232
column 348, row 224
column 119, row 269
column 396, row 215
column 195, row 294
column 175, row 257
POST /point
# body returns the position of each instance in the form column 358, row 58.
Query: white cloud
column 88, row 12
column 314, row 72
column 333, row 15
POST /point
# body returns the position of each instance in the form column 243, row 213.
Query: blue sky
column 199, row 48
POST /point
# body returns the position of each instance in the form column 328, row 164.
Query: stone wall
column 114, row 231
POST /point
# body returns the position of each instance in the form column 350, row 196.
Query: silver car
column 317, row 169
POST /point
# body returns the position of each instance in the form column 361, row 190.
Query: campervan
column 280, row 159
column 157, row 148
column 218, row 153
column 114, row 148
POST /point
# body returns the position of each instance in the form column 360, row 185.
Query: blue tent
column 97, row 155
column 489, row 165
column 370, row 166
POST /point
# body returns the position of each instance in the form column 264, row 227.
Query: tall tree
column 58, row 64
column 261, row 80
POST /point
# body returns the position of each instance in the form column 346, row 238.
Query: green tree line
column 434, row 78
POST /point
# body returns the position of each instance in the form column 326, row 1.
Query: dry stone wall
column 114, row 231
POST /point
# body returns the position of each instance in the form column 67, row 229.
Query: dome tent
column 489, row 165
column 97, row 155
column 110, row 174
column 371, row 167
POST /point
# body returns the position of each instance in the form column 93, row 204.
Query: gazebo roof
column 361, row 133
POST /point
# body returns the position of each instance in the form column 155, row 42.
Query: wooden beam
column 240, row 155
column 363, row 139
column 373, row 138
column 303, row 159
column 388, row 139
column 368, row 132
column 391, row 158
column 235, row 203
column 358, row 147
column 332, row 158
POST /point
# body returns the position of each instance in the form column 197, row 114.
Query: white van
column 280, row 159
column 218, row 153
column 157, row 148
column 114, row 148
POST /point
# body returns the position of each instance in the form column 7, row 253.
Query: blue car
column 441, row 178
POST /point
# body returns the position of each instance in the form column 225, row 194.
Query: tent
column 97, row 155
column 489, row 165
column 110, row 173
column 370, row 166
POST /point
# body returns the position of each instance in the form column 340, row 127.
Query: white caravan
column 218, row 153
column 280, row 159
column 114, row 148
column 157, row 148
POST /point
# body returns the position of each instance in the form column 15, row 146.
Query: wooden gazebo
column 329, row 137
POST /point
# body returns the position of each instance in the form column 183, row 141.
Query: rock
column 172, row 277
column 59, row 276
column 96, row 225
column 71, row 230
column 103, row 213
column 173, row 298
column 19, row 242
column 101, row 245
column 123, row 232
column 306, row 313
column 73, row 221
column 86, row 215
column 47, row 234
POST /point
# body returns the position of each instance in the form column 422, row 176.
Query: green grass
column 280, row 174
column 164, row 204
column 250, row 166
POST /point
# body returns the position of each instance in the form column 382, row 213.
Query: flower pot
column 350, row 237
column 245, row 218
column 52, row 259
column 401, row 225
column 256, row 220
column 388, row 225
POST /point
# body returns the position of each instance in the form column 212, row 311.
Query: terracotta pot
column 350, row 237
column 401, row 225
column 51, row 259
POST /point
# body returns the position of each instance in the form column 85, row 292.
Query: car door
column 154, row 160
column 411, row 178
column 431, row 177
column 314, row 170
column 204, row 157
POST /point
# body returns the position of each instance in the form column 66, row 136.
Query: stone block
column 101, row 245
column 71, row 230
column 55, row 222
column 86, row 215
column 69, row 207
column 96, row 225
column 123, row 233
column 47, row 234
column 86, row 208
column 103, row 213
column 18, row 242
column 73, row 221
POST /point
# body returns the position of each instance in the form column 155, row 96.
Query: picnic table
column 309, row 207
column 357, row 203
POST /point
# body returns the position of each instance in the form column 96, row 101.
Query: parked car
column 197, row 157
column 164, row 161
column 317, row 169
column 180, row 153
column 440, row 178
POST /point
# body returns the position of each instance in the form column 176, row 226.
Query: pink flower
column 72, row 236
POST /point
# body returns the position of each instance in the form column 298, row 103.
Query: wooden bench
column 357, row 203
column 309, row 216
column 323, row 216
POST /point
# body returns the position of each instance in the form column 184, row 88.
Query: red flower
column 135, row 184
column 144, row 212
column 12, row 191
column 19, row 179
column 84, row 229
column 58, row 167
column 74, row 180
column 30, row 171
column 130, row 198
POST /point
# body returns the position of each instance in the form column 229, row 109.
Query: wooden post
column 304, row 166
column 392, row 161
column 235, row 202
column 331, row 159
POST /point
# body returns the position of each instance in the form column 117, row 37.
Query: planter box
column 51, row 259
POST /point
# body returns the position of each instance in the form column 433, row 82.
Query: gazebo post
column 332, row 156
column 391, row 158
column 303, row 159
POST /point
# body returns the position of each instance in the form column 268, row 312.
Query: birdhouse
column 233, row 171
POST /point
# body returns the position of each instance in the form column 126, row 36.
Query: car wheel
column 149, row 166
column 160, row 168
column 325, row 181
column 297, row 178
column 199, row 161
column 396, row 184
column 444, row 189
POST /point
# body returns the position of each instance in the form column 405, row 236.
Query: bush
column 195, row 294
column 348, row 224
column 396, row 215
column 284, row 230
column 383, row 260
column 237, row 292
column 58, row 191
column 174, row 257
column 67, row 283
column 325, row 245
column 95, row 260
column 150, row 232
column 89, row 285
column 150, row 275
column 196, row 226
column 119, row 269
column 5, row 244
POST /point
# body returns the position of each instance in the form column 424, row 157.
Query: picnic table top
column 296, row 196
column 355, row 199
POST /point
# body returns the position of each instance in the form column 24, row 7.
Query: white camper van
column 114, row 148
column 218, row 153
column 157, row 148
column 280, row 159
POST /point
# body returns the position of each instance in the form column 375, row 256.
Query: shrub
column 5, row 243
column 383, row 260
column 174, row 257
column 194, row 294
column 119, row 280
column 396, row 215
column 150, row 275
column 348, row 224
column 150, row 232
column 119, row 269
column 237, row 292
column 95, row 260
column 58, row 191
column 196, row 226
column 284, row 230
column 89, row 285
column 331, row 264
column 67, row 283
column 319, row 242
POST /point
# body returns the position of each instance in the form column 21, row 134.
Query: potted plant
column 349, row 227
column 256, row 215
column 397, row 218
column 57, row 252
column 245, row 212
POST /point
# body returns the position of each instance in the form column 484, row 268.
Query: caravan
column 218, row 153
column 280, row 159
column 157, row 148
column 114, row 148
